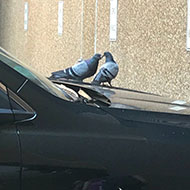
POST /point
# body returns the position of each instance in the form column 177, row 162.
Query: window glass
column 32, row 75
column 4, row 100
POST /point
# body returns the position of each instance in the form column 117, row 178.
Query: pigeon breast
column 109, row 69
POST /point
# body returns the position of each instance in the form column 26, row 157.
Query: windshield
column 30, row 74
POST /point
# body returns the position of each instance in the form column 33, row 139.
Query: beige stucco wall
column 41, row 46
column 150, row 48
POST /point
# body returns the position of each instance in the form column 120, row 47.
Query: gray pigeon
column 79, row 71
column 107, row 71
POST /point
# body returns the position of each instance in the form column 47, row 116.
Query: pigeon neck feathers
column 93, row 62
column 109, row 57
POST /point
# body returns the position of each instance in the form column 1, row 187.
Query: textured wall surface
column 41, row 46
column 151, row 45
column 88, row 28
column 150, row 48
column 11, row 26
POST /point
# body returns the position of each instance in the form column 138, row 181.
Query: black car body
column 56, row 134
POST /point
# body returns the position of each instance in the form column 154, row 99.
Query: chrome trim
column 22, row 85
column 29, row 119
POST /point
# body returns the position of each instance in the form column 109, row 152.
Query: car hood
column 136, row 100
column 129, row 99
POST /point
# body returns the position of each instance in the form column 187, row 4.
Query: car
column 66, row 135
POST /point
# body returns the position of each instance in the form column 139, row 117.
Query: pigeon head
column 108, row 56
column 97, row 56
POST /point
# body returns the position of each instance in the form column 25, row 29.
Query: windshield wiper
column 96, row 97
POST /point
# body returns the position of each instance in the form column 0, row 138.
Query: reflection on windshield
column 30, row 74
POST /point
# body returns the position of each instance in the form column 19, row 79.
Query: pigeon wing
column 80, row 69
column 109, row 70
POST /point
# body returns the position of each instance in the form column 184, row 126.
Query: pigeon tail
column 79, row 71
column 58, row 74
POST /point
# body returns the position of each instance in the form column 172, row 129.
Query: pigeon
column 80, row 71
column 107, row 71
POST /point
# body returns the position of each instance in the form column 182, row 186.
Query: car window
column 30, row 74
column 4, row 100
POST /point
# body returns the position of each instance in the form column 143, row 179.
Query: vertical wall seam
column 95, row 27
column 26, row 16
column 82, row 29
column 60, row 17
column 188, row 27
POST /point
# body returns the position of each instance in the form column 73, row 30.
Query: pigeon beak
column 102, row 56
